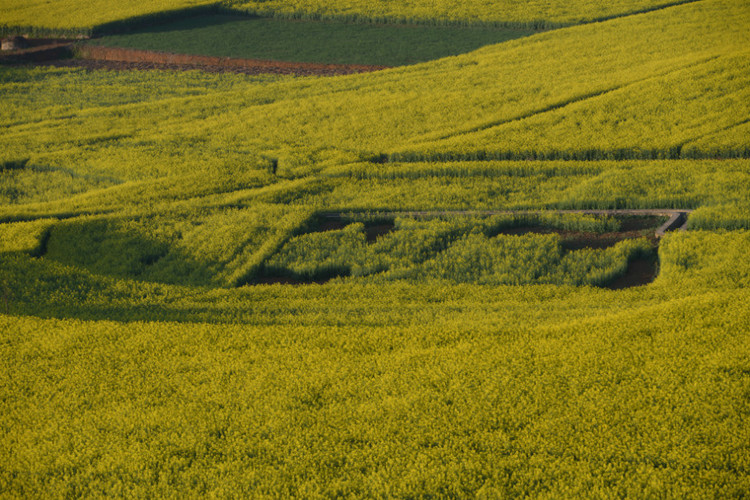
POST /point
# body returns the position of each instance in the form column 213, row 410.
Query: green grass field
column 211, row 284
column 298, row 41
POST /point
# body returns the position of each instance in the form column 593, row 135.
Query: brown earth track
column 58, row 52
column 90, row 64
column 126, row 59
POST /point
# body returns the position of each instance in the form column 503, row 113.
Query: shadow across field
column 630, row 227
column 372, row 246
column 640, row 271
column 341, row 245
column 310, row 41
column 373, row 229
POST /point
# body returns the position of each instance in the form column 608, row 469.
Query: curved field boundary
column 43, row 50
column 139, row 57
column 677, row 218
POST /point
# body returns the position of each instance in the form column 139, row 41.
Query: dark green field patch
column 310, row 41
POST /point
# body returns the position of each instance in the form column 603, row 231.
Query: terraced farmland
column 439, row 280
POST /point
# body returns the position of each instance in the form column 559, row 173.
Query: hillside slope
column 142, row 214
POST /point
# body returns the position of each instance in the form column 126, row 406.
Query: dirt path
column 60, row 53
column 677, row 217
column 133, row 56
column 297, row 70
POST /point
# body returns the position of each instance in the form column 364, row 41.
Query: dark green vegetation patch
column 311, row 41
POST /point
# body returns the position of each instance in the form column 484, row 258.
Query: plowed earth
column 43, row 52
column 297, row 69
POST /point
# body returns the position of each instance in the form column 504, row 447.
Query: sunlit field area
column 511, row 265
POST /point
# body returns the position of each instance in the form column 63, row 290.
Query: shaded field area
column 310, row 41
column 66, row 54
column 510, row 249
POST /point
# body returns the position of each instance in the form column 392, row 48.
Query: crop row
column 668, row 116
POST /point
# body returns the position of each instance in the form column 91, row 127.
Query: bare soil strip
column 57, row 52
column 115, row 58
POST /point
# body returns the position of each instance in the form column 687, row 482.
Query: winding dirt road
column 61, row 53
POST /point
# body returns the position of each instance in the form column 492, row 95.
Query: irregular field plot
column 458, row 357
column 499, row 249
column 311, row 41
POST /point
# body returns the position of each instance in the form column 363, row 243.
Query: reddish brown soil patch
column 93, row 57
column 640, row 272
column 270, row 280
column 521, row 230
column 44, row 42
column 59, row 53
column 90, row 64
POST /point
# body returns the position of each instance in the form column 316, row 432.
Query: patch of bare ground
column 280, row 280
column 93, row 57
column 91, row 64
column 58, row 52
